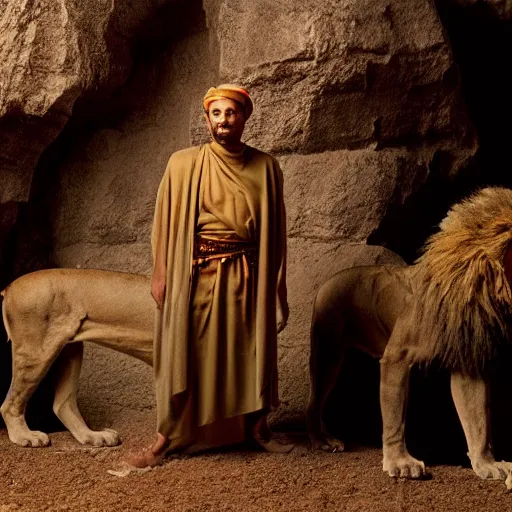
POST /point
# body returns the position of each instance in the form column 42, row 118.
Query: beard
column 222, row 135
column 225, row 136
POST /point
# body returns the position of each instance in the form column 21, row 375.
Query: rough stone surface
column 343, row 195
column 355, row 98
column 334, row 75
column 51, row 53
column 108, row 185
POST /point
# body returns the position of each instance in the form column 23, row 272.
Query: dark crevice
column 406, row 226
column 482, row 44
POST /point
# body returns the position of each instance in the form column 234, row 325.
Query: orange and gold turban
column 231, row 92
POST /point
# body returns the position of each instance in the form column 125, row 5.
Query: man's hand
column 158, row 289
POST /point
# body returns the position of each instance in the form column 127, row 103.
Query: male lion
column 48, row 315
column 454, row 305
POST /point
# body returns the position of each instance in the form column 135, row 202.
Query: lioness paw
column 98, row 439
column 404, row 467
column 30, row 439
column 492, row 470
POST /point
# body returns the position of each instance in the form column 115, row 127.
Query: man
column 219, row 250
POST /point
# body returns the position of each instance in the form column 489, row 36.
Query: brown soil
column 67, row 476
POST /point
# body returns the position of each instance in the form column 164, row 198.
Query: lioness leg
column 68, row 366
column 325, row 361
column 28, row 369
column 471, row 398
column 40, row 323
column 395, row 370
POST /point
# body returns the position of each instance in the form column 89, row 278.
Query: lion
column 48, row 315
column 454, row 305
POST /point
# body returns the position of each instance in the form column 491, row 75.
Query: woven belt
column 207, row 250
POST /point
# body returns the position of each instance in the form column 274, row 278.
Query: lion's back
column 98, row 293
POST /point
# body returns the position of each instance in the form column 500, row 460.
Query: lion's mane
column 463, row 301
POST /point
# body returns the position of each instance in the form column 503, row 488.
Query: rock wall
column 108, row 184
column 357, row 99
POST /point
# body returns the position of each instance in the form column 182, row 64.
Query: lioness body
column 370, row 308
column 47, row 315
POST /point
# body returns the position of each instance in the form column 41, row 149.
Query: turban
column 231, row 92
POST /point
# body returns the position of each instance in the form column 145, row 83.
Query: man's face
column 226, row 121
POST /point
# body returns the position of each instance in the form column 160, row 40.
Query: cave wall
column 356, row 99
column 107, row 186
column 361, row 102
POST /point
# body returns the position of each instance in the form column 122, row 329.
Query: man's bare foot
column 152, row 456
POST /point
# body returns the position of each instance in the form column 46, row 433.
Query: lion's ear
column 507, row 263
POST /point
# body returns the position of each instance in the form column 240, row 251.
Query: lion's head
column 463, row 306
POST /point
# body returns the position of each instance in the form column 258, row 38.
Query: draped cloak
column 178, row 207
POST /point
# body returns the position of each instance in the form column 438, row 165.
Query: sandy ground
column 67, row 476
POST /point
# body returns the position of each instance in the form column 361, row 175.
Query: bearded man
column 219, row 282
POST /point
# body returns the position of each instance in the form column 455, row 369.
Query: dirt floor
column 69, row 477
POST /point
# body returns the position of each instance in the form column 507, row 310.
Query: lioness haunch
column 48, row 315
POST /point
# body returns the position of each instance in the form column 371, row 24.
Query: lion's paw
column 30, row 439
column 100, row 438
column 326, row 443
column 492, row 470
column 404, row 466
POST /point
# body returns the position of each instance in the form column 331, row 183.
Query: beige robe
column 215, row 352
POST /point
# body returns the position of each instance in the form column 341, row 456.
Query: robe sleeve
column 282, row 294
column 161, row 221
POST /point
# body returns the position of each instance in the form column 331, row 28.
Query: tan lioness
column 48, row 315
column 453, row 305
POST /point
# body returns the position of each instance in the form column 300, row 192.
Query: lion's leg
column 68, row 366
column 326, row 358
column 395, row 370
column 28, row 369
column 471, row 398
column 38, row 334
